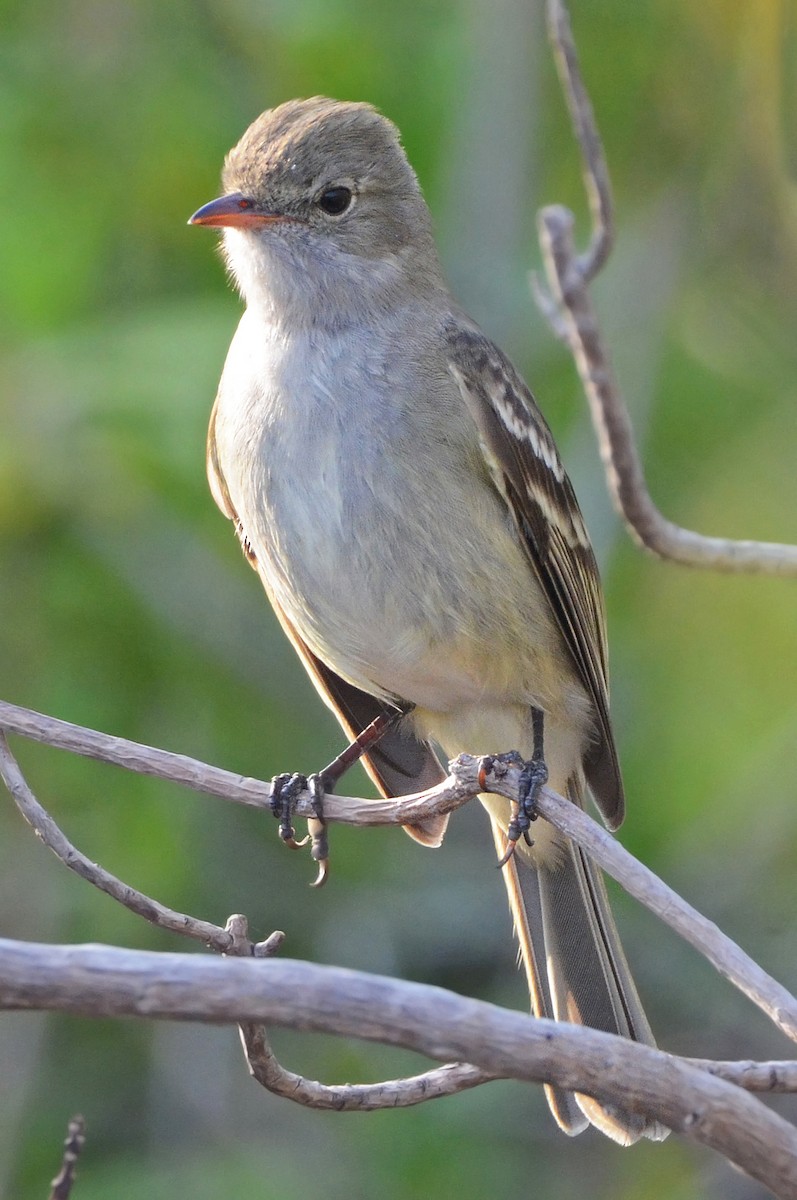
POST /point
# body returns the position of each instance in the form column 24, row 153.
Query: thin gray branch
column 213, row 781
column 266, row 1069
column 772, row 1077
column 46, row 829
column 75, row 1140
column 597, row 183
column 572, row 316
column 641, row 883
column 447, row 1080
column 88, row 993
column 105, row 981
column 233, row 940
column 464, row 783
column 133, row 756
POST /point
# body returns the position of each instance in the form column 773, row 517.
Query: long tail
column 576, row 971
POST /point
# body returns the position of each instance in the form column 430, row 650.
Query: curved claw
column 291, row 842
column 323, row 873
column 318, row 831
column 511, row 844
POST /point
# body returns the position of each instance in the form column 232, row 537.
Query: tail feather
column 524, row 901
column 576, row 970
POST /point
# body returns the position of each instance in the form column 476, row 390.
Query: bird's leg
column 533, row 775
column 285, row 788
column 360, row 746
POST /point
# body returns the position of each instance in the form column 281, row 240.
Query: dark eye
column 335, row 200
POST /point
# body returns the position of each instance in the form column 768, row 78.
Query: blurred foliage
column 126, row 604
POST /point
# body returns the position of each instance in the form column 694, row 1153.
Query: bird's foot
column 533, row 776
column 284, row 791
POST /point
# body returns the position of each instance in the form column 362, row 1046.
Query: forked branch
column 698, row 1100
column 572, row 316
column 93, row 980
column 468, row 777
column 705, row 1101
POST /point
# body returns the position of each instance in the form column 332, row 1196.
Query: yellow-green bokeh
column 125, row 603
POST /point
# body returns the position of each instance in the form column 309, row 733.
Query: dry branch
column 75, row 1139
column 703, row 1100
column 447, row 1080
column 641, row 883
column 466, row 780
column 213, row 781
column 571, row 314
column 106, row 981
column 266, row 1069
column 46, row 829
column 777, row 1078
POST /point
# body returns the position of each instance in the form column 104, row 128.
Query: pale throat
column 312, row 282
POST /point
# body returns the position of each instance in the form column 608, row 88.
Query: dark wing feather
column 399, row 763
column 525, row 466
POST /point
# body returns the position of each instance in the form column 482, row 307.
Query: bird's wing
column 525, row 467
column 399, row 763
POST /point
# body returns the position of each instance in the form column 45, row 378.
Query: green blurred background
column 125, row 603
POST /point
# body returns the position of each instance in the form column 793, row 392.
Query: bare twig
column 772, row 1077
column 233, row 940
column 263, row 1064
column 354, row 1097
column 133, row 756
column 597, row 183
column 641, row 883
column 103, row 980
column 86, row 989
column 201, row 777
column 462, row 785
column 572, row 316
column 46, row 829
column 75, row 1139
column 213, row 781
column 348, row 1097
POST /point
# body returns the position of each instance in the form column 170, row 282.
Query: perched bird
column 402, row 499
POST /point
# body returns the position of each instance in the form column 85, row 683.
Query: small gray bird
column 401, row 497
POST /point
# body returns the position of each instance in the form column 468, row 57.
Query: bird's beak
column 235, row 210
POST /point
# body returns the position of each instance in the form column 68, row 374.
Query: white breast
column 372, row 527
column 306, row 465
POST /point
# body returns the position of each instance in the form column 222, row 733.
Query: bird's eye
column 335, row 200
